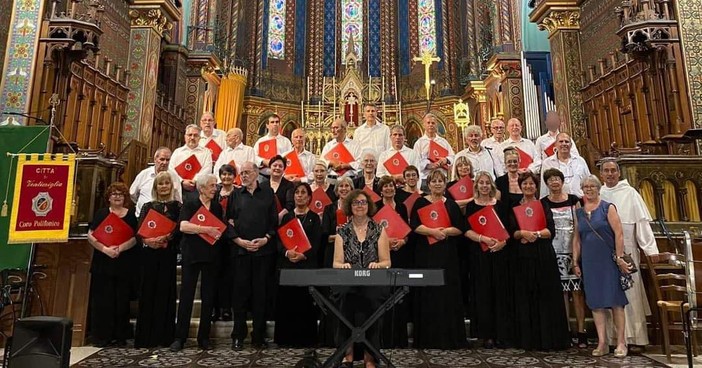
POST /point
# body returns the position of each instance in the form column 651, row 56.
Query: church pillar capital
column 505, row 70
column 556, row 15
column 158, row 15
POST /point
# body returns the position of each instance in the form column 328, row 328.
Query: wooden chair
column 667, row 271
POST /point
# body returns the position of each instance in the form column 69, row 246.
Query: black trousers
column 188, row 284
column 225, row 278
column 252, row 279
column 109, row 307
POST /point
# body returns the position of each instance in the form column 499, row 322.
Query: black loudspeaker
column 41, row 341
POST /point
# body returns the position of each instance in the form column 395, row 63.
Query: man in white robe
column 637, row 234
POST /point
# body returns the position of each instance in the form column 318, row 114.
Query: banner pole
column 30, row 268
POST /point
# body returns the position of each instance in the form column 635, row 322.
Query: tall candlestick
column 302, row 113
column 319, row 114
column 382, row 88
column 334, row 94
column 308, row 88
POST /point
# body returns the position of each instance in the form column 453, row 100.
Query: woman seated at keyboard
column 362, row 243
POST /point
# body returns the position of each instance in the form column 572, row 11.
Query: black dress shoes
column 259, row 345
column 237, row 344
column 176, row 346
column 204, row 345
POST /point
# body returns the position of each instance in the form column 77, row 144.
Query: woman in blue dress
column 599, row 236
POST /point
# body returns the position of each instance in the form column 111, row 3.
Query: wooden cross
column 427, row 59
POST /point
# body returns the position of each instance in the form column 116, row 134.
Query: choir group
column 518, row 227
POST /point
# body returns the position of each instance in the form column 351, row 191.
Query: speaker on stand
column 40, row 341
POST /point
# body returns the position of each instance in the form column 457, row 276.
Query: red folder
column 530, row 216
column 524, row 158
column 294, row 167
column 278, row 206
column 113, row 231
column 215, row 148
column 189, row 168
column 550, row 150
column 409, row 202
column 292, row 235
column 394, row 225
column 155, row 224
column 341, row 218
column 462, row 189
column 434, row 216
column 267, row 149
column 395, row 164
column 373, row 195
column 320, row 200
column 436, row 151
column 486, row 223
column 204, row 217
column 339, row 153
column 237, row 179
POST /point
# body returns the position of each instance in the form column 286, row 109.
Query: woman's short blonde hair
column 461, row 160
column 342, row 180
column 591, row 179
column 493, row 187
column 160, row 178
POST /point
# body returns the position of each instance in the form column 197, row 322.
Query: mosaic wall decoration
column 426, row 26
column 300, row 36
column 145, row 47
column 15, row 89
column 329, row 38
column 690, row 13
column 374, row 37
column 352, row 24
column 404, row 29
column 276, row 29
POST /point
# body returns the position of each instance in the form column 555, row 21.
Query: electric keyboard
column 361, row 277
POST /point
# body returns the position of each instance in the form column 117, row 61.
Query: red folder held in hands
column 395, row 164
column 530, row 216
column 189, row 168
column 267, row 149
column 550, row 150
column 524, row 158
column 155, row 224
column 409, row 202
column 394, row 225
column 237, row 179
column 462, row 189
column 292, row 235
column 486, row 223
column 293, row 166
column 215, row 148
column 373, row 195
column 436, row 151
column 320, row 200
column 341, row 218
column 434, row 216
column 339, row 153
column 204, row 217
column 113, row 231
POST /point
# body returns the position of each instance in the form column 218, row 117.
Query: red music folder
column 293, row 166
column 486, row 223
column 113, row 231
column 394, row 225
column 462, row 189
column 237, row 179
column 550, row 150
column 409, row 202
column 189, row 168
column 436, row 151
column 373, row 195
column 341, row 218
column 292, row 235
column 434, row 216
column 395, row 164
column 267, row 149
column 524, row 158
column 155, row 224
column 215, row 148
column 278, row 205
column 530, row 216
column 204, row 217
column 320, row 200
column 339, row 153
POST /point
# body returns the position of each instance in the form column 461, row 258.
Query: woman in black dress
column 507, row 185
column 283, row 188
column 111, row 273
column 492, row 294
column 438, row 311
column 367, row 177
column 461, row 168
column 320, row 173
column 223, row 291
column 540, row 314
column 199, row 257
column 157, row 299
column 296, row 314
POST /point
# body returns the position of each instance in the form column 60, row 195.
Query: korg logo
column 361, row 273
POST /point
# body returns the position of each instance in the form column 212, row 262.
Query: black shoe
column 214, row 317
column 489, row 344
column 260, row 345
column 204, row 345
column 237, row 344
column 176, row 346
column 121, row 343
column 101, row 343
column 226, row 315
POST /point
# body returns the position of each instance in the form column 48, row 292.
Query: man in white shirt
column 210, row 133
column 372, row 134
column 236, row 151
column 421, row 146
column 338, row 129
column 497, row 128
column 191, row 148
column 481, row 158
column 397, row 138
column 636, row 228
column 553, row 124
column 307, row 158
column 574, row 168
column 515, row 139
column 283, row 145
column 140, row 191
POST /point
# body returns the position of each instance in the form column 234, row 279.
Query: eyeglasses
column 499, row 128
column 589, row 186
column 246, row 172
column 117, row 194
column 359, row 203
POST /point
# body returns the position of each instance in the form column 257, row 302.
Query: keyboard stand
column 358, row 334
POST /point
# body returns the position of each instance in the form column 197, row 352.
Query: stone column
column 151, row 21
column 507, row 68
column 562, row 20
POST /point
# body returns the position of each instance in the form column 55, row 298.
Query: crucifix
column 427, row 59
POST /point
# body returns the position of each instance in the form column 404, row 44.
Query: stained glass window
column 352, row 24
column 427, row 26
column 276, row 29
